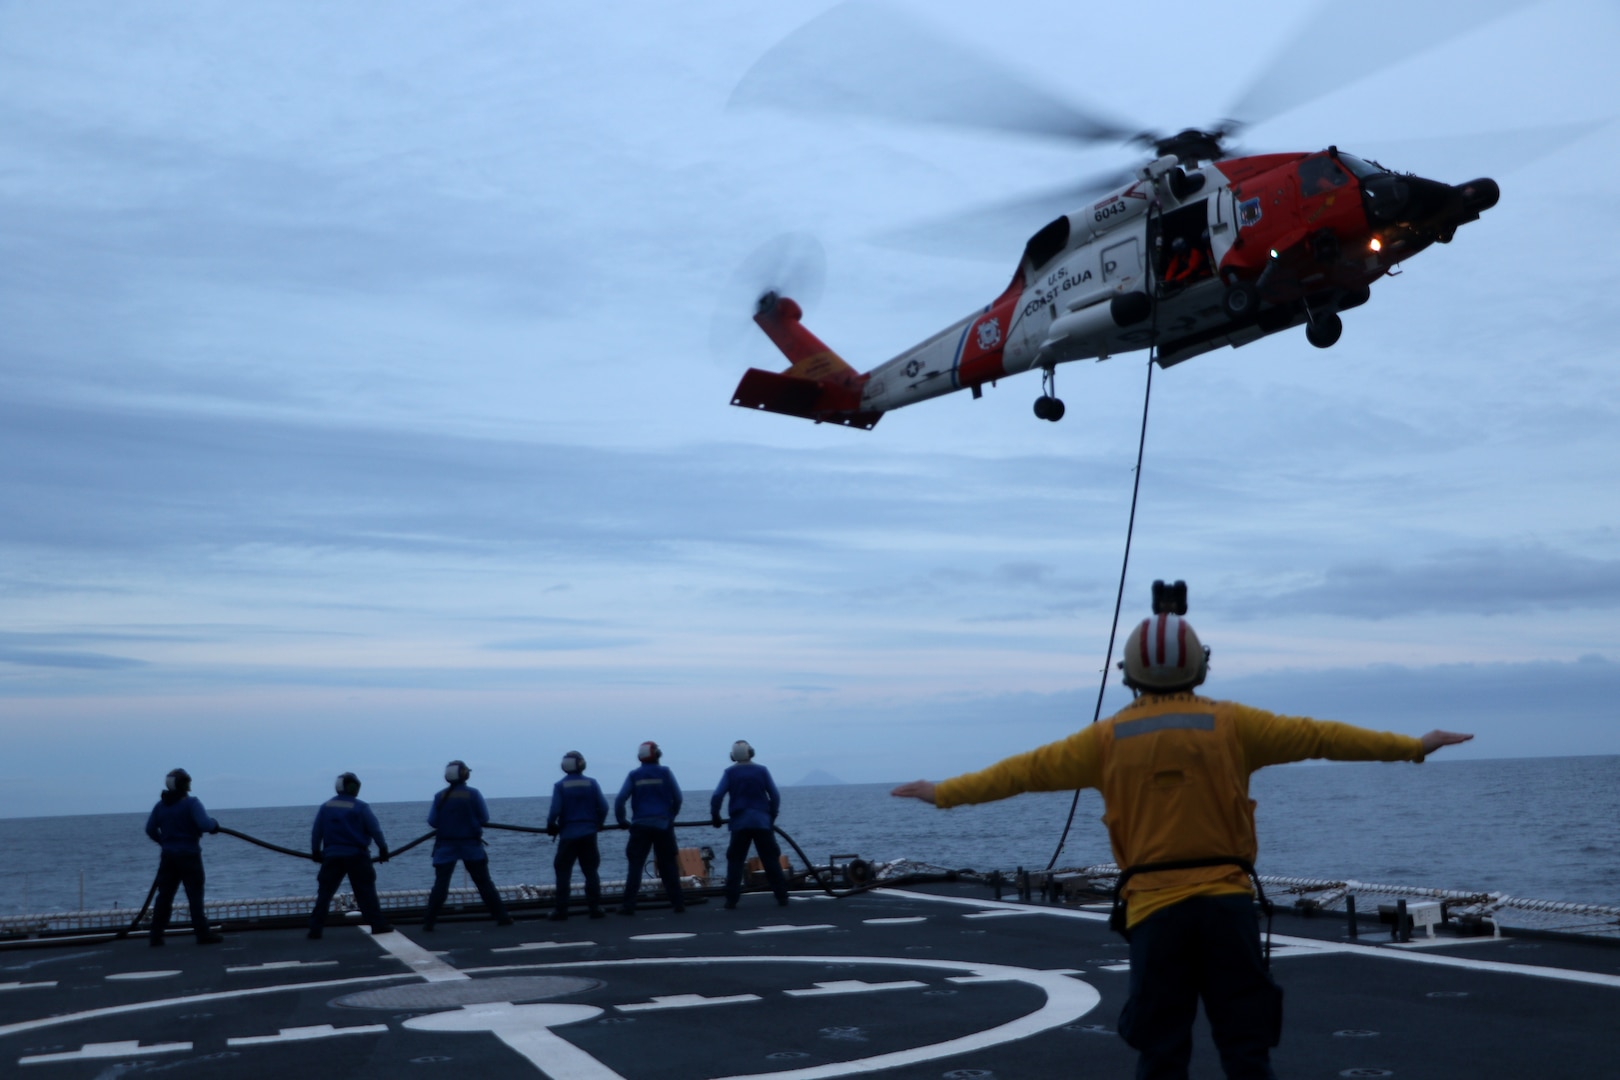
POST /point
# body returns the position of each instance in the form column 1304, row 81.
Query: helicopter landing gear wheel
column 1049, row 406
column 1323, row 330
column 1241, row 301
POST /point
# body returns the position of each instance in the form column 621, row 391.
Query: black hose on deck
column 424, row 838
column 267, row 845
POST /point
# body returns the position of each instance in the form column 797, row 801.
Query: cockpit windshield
column 1361, row 169
column 1318, row 173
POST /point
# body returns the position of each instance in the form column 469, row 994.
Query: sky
column 365, row 377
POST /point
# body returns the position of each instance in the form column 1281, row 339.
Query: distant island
column 817, row 778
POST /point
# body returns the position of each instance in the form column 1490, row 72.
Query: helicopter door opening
column 1184, row 254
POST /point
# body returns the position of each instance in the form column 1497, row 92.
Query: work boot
column 375, row 930
column 314, row 935
column 598, row 913
column 504, row 922
column 210, row 939
column 558, row 916
column 156, row 941
column 627, row 911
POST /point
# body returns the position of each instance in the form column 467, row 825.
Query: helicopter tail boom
column 818, row 385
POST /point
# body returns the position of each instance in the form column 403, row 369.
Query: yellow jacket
column 1174, row 770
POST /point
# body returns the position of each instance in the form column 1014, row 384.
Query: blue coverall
column 755, row 803
column 176, row 824
column 459, row 815
column 655, row 801
column 578, row 811
column 341, row 838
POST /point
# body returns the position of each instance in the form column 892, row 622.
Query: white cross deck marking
column 527, row 1029
column 684, row 1001
column 418, row 959
column 852, row 986
column 281, row 965
column 303, row 1034
column 89, row 1051
column 531, row 946
column 27, row 986
column 785, row 928
column 1066, row 1001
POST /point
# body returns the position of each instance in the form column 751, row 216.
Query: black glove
column 552, row 830
column 716, row 820
column 382, row 854
column 215, row 830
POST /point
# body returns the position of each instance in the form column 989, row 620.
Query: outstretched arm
column 1435, row 739
column 917, row 789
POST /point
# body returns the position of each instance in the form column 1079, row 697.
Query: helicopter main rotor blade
column 1334, row 48
column 998, row 231
column 871, row 59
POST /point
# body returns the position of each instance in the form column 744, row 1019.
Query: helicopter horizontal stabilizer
column 791, row 395
column 818, row 385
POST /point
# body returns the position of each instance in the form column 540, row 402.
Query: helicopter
column 1199, row 248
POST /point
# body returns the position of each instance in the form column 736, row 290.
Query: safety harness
column 1116, row 916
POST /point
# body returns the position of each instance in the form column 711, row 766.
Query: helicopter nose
column 1479, row 195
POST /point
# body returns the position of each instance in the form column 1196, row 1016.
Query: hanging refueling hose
column 1130, row 525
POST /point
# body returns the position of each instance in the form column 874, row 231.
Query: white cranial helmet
column 1163, row 654
column 741, row 751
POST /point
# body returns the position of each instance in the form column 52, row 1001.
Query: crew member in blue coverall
column 341, row 839
column 176, row 824
column 655, row 801
column 578, row 811
column 459, row 816
column 754, row 806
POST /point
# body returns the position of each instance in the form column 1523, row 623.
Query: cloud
column 570, row 643
column 1484, row 580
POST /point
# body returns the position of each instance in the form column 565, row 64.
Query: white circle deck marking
column 1067, row 1000
column 134, row 976
column 660, row 937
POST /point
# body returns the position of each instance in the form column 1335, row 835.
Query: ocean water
column 1547, row 828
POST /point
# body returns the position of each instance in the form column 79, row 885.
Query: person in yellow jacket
column 1173, row 768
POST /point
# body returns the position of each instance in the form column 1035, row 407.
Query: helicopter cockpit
column 1319, row 174
column 1360, row 169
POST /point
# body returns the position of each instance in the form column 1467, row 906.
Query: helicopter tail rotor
column 790, row 264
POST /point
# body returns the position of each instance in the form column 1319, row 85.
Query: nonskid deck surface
column 908, row 984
